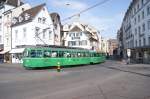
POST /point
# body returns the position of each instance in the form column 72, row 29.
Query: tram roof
column 55, row 46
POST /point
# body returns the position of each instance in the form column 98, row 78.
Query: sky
column 106, row 18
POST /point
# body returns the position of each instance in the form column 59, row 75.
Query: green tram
column 35, row 57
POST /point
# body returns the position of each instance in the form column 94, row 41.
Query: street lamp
column 68, row 4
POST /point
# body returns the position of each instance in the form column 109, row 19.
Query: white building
column 4, row 6
column 7, row 20
column 32, row 27
column 104, row 45
column 57, row 28
column 136, row 30
column 8, row 9
column 80, row 35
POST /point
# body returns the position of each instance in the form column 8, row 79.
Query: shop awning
column 3, row 52
column 18, row 50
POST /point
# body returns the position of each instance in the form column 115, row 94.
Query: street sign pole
column 129, row 55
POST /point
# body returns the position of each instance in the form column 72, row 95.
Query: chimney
column 19, row 2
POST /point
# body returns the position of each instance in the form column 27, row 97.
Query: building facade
column 32, row 27
column 22, row 25
column 80, row 35
column 8, row 16
column 120, row 43
column 112, row 47
column 8, row 9
column 136, row 31
column 57, row 28
column 104, row 46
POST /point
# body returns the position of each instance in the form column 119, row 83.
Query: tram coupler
column 58, row 67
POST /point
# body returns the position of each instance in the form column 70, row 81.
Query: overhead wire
column 85, row 10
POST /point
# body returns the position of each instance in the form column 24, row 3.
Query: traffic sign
column 129, row 52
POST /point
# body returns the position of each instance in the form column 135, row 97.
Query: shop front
column 17, row 55
column 141, row 55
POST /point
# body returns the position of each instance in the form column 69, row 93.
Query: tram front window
column 25, row 54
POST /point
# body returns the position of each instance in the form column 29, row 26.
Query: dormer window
column 14, row 21
column 22, row 9
column 27, row 16
column 39, row 20
column 20, row 19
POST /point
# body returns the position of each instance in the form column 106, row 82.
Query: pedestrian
column 128, row 60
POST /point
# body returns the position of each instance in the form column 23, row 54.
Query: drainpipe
column 11, row 38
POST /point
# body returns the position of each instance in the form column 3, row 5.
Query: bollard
column 58, row 67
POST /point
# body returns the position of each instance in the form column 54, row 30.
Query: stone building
column 136, row 31
column 112, row 47
column 120, row 43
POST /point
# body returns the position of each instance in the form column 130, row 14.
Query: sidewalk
column 141, row 69
column 10, row 65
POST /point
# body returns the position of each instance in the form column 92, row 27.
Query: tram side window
column 92, row 54
column 54, row 54
column 103, row 54
column 33, row 53
column 87, row 54
column 61, row 53
column 100, row 54
column 67, row 54
column 73, row 54
column 79, row 54
column 47, row 54
column 39, row 53
column 95, row 54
